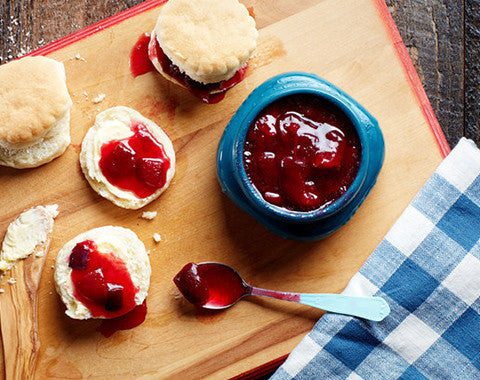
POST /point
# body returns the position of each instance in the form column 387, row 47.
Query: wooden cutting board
column 351, row 43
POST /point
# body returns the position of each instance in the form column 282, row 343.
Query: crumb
column 78, row 57
column 176, row 294
column 157, row 237
column 11, row 281
column 39, row 254
column 99, row 98
column 53, row 267
column 85, row 93
column 2, row 291
column 51, row 293
column 149, row 215
column 148, row 252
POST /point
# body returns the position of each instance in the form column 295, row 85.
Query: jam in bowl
column 300, row 156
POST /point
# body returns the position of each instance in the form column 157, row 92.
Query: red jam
column 208, row 93
column 139, row 61
column 128, row 321
column 301, row 153
column 137, row 163
column 209, row 283
column 101, row 281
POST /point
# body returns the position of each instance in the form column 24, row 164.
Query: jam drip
column 209, row 283
column 301, row 153
column 125, row 322
column 103, row 284
column 138, row 163
column 139, row 61
column 208, row 93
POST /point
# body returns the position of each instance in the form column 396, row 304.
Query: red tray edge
column 417, row 87
column 413, row 77
column 101, row 25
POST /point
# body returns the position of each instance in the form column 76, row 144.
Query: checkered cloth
column 428, row 269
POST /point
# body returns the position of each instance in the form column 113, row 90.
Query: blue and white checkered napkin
column 428, row 269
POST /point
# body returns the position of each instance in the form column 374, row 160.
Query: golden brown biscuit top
column 207, row 39
column 33, row 96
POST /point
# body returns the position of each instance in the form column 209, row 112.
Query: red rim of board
column 401, row 50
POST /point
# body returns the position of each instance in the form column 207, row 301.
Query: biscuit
column 124, row 244
column 209, row 40
column 115, row 124
column 34, row 112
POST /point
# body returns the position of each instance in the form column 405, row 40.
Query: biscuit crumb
column 78, row 57
column 2, row 291
column 85, row 93
column 157, row 237
column 149, row 215
column 176, row 294
column 11, row 281
column 99, row 98
column 53, row 267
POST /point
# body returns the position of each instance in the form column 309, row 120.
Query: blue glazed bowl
column 298, row 225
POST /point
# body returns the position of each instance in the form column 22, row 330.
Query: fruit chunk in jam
column 301, row 153
column 101, row 281
column 138, row 163
column 208, row 93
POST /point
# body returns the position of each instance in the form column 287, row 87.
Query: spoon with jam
column 213, row 285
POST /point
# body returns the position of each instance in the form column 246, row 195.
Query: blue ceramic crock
column 297, row 225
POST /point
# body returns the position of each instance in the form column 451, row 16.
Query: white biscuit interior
column 209, row 40
column 114, row 124
column 120, row 241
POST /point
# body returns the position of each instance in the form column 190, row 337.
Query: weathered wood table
column 442, row 38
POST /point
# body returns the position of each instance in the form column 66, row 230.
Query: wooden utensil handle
column 18, row 316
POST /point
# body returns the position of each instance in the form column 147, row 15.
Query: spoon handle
column 372, row 308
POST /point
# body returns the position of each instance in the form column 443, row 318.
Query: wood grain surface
column 350, row 48
column 442, row 37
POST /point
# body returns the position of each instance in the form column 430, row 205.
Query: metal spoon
column 218, row 286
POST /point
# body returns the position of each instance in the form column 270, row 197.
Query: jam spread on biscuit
column 208, row 93
column 137, row 163
column 101, row 281
column 301, row 153
column 139, row 61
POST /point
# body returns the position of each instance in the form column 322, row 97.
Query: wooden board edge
column 97, row 27
column 412, row 76
column 265, row 370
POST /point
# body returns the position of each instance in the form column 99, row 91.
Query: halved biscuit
column 116, row 124
column 34, row 112
column 109, row 240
